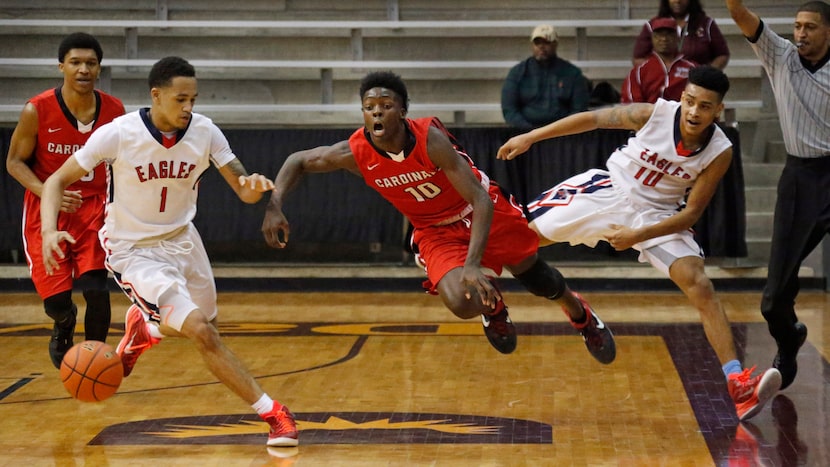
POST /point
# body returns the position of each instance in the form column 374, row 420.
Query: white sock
column 264, row 405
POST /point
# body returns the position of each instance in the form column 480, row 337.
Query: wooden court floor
column 393, row 379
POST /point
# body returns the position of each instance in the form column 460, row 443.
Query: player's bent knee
column 204, row 334
column 693, row 282
column 58, row 306
column 465, row 308
column 543, row 281
column 453, row 294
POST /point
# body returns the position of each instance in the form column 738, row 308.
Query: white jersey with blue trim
column 153, row 188
column 653, row 169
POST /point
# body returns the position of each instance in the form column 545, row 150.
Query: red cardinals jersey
column 415, row 186
column 58, row 137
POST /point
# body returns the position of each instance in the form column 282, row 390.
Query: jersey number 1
column 163, row 203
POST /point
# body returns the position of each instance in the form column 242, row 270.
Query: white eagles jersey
column 653, row 169
column 152, row 189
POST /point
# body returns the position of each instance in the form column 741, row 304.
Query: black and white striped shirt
column 802, row 97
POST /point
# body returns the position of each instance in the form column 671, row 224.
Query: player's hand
column 514, row 147
column 71, row 201
column 51, row 247
column 473, row 279
column 256, row 182
column 622, row 237
column 273, row 225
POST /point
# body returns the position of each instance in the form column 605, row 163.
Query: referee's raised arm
column 746, row 20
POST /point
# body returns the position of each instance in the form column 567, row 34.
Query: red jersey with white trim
column 58, row 137
column 415, row 186
column 653, row 169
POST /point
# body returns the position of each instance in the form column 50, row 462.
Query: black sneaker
column 785, row 358
column 598, row 338
column 500, row 331
column 62, row 336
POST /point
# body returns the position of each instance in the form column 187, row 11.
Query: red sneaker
column 500, row 331
column 750, row 393
column 599, row 340
column 136, row 339
column 283, row 427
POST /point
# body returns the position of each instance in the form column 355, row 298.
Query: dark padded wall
column 336, row 217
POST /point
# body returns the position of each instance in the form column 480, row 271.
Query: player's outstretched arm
column 572, row 124
column 249, row 188
column 628, row 116
column 322, row 159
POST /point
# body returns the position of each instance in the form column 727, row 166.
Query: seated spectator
column 700, row 38
column 665, row 73
column 543, row 88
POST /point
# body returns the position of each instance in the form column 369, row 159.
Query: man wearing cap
column 543, row 88
column 665, row 73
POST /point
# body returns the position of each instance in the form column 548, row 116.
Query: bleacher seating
column 274, row 62
column 280, row 63
column 328, row 70
column 350, row 10
column 252, row 69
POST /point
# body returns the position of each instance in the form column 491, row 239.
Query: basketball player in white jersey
column 155, row 158
column 656, row 187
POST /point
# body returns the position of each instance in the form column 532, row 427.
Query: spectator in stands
column 676, row 158
column 700, row 38
column 543, row 88
column 665, row 73
column 799, row 72
column 52, row 125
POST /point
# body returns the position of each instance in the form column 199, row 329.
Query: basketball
column 91, row 371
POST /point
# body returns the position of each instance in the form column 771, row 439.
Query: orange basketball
column 91, row 371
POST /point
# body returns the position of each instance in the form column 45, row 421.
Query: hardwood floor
column 392, row 378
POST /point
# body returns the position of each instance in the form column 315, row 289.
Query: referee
column 800, row 78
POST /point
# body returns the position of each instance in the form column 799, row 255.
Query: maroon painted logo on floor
column 332, row 428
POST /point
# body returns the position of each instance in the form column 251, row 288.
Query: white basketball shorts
column 582, row 209
column 167, row 280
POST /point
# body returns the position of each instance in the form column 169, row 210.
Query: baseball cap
column 544, row 31
column 663, row 23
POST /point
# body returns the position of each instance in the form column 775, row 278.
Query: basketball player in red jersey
column 466, row 229
column 52, row 126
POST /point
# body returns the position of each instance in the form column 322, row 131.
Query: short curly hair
column 79, row 40
column 166, row 69
column 711, row 78
column 388, row 80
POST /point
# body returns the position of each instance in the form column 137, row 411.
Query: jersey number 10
column 651, row 178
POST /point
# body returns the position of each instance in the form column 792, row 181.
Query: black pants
column 802, row 219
